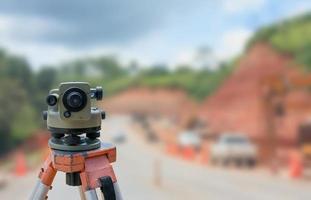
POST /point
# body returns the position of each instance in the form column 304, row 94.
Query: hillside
column 281, row 48
column 291, row 36
column 115, row 77
column 239, row 104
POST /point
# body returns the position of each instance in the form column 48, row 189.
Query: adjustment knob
column 99, row 93
column 45, row 115
column 103, row 114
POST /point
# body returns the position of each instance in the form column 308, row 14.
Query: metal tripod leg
column 46, row 177
column 91, row 195
column 117, row 191
column 40, row 191
column 82, row 195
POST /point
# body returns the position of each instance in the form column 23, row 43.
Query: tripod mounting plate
column 83, row 144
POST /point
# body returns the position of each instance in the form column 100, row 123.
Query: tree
column 109, row 67
column 203, row 57
column 156, row 70
column 183, row 69
column 24, row 123
column 17, row 68
column 12, row 99
column 46, row 78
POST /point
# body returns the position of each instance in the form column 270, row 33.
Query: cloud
column 300, row 8
column 79, row 23
column 77, row 27
column 26, row 28
column 235, row 6
column 162, row 31
column 232, row 43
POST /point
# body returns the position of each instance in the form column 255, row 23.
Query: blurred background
column 204, row 99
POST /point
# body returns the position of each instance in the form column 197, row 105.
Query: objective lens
column 74, row 99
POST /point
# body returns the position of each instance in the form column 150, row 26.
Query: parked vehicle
column 189, row 138
column 234, row 148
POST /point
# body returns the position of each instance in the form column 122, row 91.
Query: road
column 178, row 180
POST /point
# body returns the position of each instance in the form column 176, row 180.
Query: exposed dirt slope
column 152, row 102
column 238, row 104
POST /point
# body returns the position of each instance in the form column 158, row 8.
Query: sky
column 151, row 32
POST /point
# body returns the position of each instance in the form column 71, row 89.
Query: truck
column 234, row 148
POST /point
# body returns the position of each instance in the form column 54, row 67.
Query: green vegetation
column 292, row 36
column 198, row 83
column 21, row 100
column 107, row 71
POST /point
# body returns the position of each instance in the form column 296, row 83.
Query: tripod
column 88, row 169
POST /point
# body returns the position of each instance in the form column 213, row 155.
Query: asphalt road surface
column 144, row 172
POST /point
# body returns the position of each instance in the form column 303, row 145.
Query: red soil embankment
column 238, row 105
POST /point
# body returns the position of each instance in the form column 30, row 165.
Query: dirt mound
column 238, row 104
column 152, row 102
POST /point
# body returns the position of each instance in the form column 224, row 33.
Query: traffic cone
column 20, row 164
column 295, row 166
column 188, row 153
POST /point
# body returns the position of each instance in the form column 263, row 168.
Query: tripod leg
column 107, row 188
column 46, row 177
column 91, row 194
column 40, row 192
column 117, row 191
column 82, row 195
column 98, row 172
column 110, row 190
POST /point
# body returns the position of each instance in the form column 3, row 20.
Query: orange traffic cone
column 188, row 153
column 20, row 164
column 295, row 166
